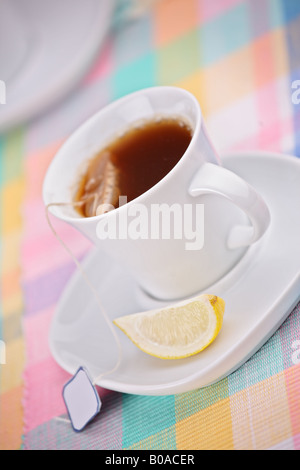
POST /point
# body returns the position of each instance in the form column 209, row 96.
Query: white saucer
column 45, row 49
column 259, row 293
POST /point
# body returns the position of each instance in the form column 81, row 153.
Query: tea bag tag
column 81, row 399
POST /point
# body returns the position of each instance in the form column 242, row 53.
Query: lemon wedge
column 177, row 331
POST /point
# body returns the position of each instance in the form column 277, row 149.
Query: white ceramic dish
column 45, row 49
column 259, row 293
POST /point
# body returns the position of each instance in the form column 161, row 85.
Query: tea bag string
column 89, row 284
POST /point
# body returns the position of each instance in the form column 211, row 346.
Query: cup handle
column 214, row 179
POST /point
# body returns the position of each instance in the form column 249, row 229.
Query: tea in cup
column 142, row 180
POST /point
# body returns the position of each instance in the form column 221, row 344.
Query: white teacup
column 230, row 214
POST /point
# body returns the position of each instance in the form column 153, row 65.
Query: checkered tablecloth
column 240, row 58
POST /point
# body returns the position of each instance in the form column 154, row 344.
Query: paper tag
column 82, row 400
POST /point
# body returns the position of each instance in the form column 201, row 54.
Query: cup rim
column 84, row 126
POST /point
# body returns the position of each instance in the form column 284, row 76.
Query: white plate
column 45, row 49
column 259, row 293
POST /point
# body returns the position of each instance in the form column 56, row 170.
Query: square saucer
column 259, row 293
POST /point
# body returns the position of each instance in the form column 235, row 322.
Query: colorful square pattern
column 239, row 58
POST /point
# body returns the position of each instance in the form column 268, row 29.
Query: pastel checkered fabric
column 239, row 58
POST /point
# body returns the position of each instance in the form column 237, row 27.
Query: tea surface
column 132, row 164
